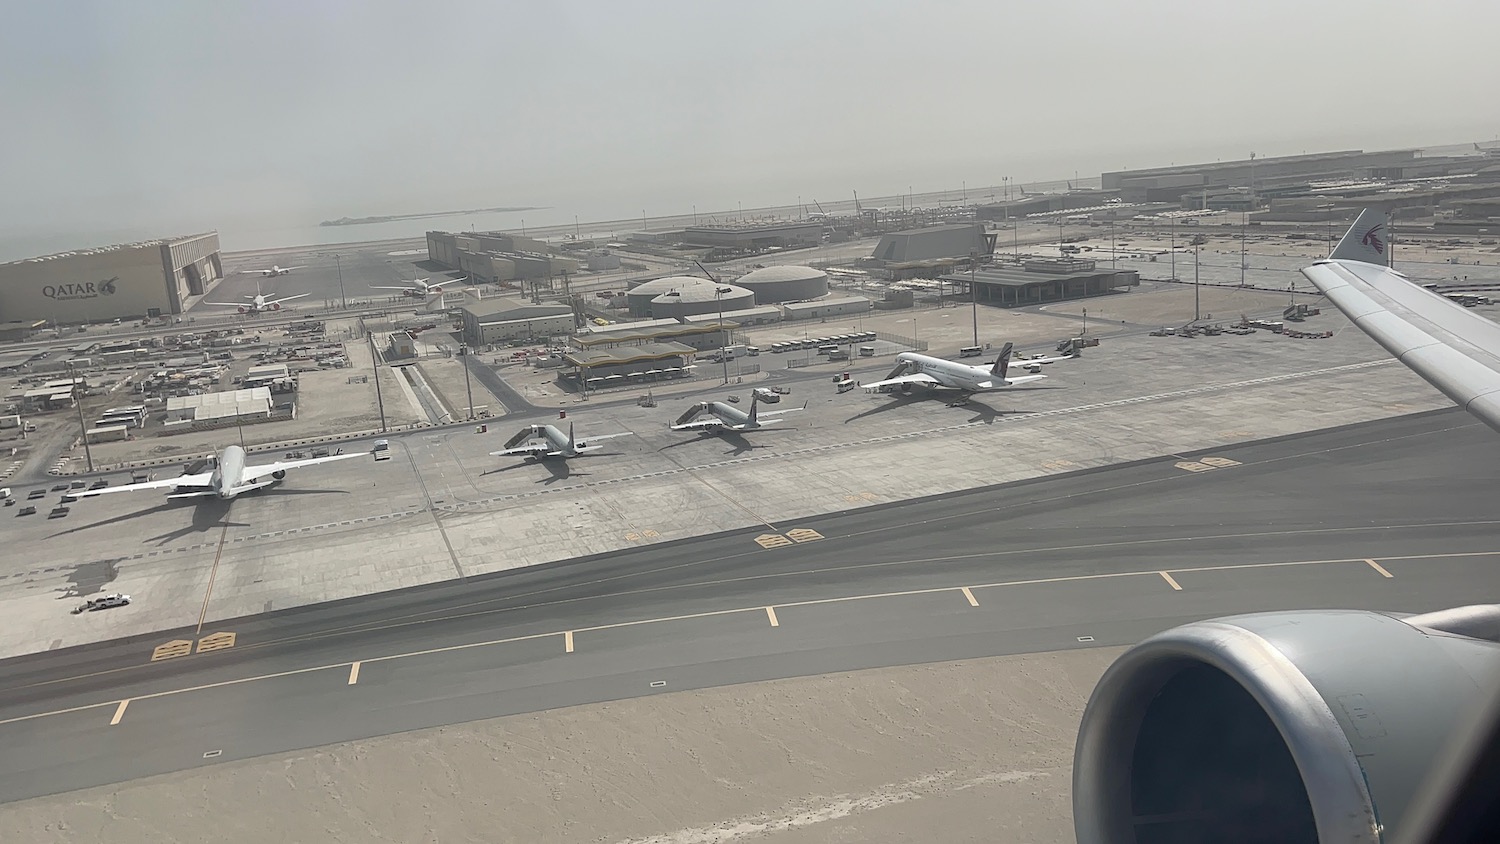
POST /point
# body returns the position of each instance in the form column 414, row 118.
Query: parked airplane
column 724, row 417
column 275, row 270
column 228, row 477
column 542, row 441
column 1452, row 348
column 418, row 288
column 938, row 374
column 259, row 303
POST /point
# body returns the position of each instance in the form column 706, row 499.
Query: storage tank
column 773, row 285
column 639, row 298
column 692, row 300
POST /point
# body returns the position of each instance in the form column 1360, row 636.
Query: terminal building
column 129, row 281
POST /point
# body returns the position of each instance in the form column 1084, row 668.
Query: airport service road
column 1386, row 515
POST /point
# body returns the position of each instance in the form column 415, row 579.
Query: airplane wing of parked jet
column 268, row 270
column 914, row 378
column 199, row 479
column 1451, row 347
column 252, row 473
column 286, row 298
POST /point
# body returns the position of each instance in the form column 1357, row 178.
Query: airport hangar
column 148, row 279
column 1042, row 280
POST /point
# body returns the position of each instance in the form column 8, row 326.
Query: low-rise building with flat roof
column 489, row 322
column 822, row 308
column 1043, row 280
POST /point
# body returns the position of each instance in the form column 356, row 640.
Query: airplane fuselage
column 557, row 440
column 950, row 375
column 228, row 472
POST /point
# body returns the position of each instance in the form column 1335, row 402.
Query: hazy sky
column 191, row 115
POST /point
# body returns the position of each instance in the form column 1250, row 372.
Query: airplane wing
column 266, row 270
column 284, row 269
column 228, row 304
column 914, row 378
column 536, row 447
column 582, row 440
column 286, row 298
column 1451, row 347
column 378, row 287
column 1011, row 381
column 251, row 473
column 707, row 420
column 201, row 479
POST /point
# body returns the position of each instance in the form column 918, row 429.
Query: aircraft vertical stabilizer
column 1002, row 361
column 1368, row 240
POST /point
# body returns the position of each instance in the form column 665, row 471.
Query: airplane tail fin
column 1368, row 240
column 572, row 443
column 1002, row 362
column 754, row 407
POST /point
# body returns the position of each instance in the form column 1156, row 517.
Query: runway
column 1388, row 515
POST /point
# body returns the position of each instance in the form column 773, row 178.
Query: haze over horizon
column 176, row 116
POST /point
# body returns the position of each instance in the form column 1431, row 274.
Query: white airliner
column 1453, row 348
column 228, row 477
column 724, row 417
column 275, row 270
column 938, row 374
column 418, row 288
column 546, row 441
column 259, row 303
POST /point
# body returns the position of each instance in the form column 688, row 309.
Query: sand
column 979, row 750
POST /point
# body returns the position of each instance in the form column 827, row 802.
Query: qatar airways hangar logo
column 1374, row 239
column 81, row 289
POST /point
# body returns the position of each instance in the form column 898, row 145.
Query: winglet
column 1368, row 240
column 1002, row 363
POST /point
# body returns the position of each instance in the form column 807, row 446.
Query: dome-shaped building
column 639, row 297
column 701, row 298
column 773, row 285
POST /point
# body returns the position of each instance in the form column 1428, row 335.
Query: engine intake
column 1276, row 727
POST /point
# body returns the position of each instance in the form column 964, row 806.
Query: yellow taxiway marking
column 567, row 641
column 216, row 642
column 973, row 601
column 119, row 712
column 213, row 573
column 771, row 614
column 1172, row 582
column 174, row 648
column 353, row 673
column 772, row 540
column 1378, row 567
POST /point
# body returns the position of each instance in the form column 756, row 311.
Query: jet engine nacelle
column 242, row 309
column 1286, row 726
column 279, row 474
column 275, row 306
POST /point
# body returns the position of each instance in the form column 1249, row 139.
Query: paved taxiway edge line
column 768, row 611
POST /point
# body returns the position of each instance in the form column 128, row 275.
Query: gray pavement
column 1091, row 558
column 444, row 509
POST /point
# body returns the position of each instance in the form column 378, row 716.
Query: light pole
column 974, row 293
column 338, row 262
column 78, row 402
column 1172, row 227
column 463, row 351
column 1198, row 240
column 723, row 335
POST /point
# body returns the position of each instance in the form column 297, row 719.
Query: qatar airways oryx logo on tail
column 1373, row 239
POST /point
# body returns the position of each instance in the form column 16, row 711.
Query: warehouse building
column 495, row 257
column 128, row 281
column 490, row 322
column 212, row 410
column 630, row 364
column 700, row 335
column 824, row 308
column 774, row 285
column 750, row 237
column 763, row 315
column 1043, row 280
column 959, row 240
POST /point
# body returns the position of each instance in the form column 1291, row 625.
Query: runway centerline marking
column 353, row 673
column 1378, row 567
column 771, row 615
column 973, row 601
column 119, row 712
column 1172, row 582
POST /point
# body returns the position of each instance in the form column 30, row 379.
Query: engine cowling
column 279, row 474
column 275, row 306
column 1277, row 727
